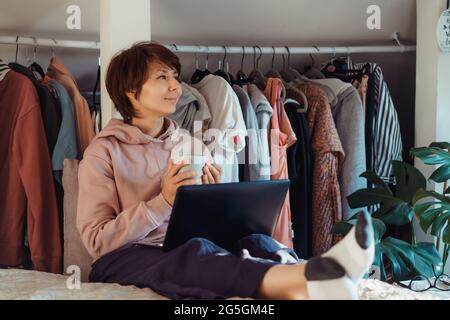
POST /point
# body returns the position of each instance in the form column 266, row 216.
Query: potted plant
column 397, row 259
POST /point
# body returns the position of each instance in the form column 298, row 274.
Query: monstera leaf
column 395, row 209
column 436, row 154
column 409, row 260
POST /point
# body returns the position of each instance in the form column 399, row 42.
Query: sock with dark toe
column 327, row 280
column 355, row 252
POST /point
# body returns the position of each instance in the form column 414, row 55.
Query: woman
column 128, row 181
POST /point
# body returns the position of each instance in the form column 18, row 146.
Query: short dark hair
column 128, row 71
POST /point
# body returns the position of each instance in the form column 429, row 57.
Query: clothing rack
column 42, row 42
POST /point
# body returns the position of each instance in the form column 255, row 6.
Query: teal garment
column 67, row 145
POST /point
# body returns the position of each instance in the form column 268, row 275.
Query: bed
column 25, row 284
column 17, row 284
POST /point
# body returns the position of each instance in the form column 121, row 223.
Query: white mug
column 196, row 163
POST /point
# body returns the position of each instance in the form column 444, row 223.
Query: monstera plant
column 397, row 259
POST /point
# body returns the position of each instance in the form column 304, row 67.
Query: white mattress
column 34, row 285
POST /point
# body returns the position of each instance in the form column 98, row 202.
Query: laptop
column 226, row 212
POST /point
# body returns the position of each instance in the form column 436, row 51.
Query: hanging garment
column 67, row 146
column 386, row 142
column 300, row 173
column 249, row 166
column 328, row 155
column 263, row 112
column 27, row 195
column 280, row 138
column 50, row 112
column 4, row 69
column 227, row 125
column 191, row 107
column 348, row 117
column 58, row 71
column 120, row 183
column 361, row 86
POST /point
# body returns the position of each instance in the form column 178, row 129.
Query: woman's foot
column 327, row 280
column 336, row 273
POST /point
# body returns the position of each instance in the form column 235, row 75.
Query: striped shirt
column 3, row 70
column 386, row 142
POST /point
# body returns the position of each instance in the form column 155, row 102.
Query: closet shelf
column 42, row 42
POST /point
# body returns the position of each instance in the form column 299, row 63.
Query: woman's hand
column 173, row 179
column 211, row 173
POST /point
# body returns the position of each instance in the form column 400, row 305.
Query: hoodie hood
column 187, row 95
column 259, row 100
column 129, row 134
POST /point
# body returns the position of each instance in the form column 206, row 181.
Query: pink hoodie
column 120, row 199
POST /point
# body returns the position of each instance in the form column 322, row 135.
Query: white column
column 432, row 87
column 122, row 23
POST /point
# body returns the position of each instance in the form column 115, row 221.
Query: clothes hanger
column 312, row 72
column 273, row 73
column 17, row 48
column 220, row 72
column 286, row 85
column 241, row 78
column 290, row 74
column 258, row 78
column 35, row 68
column 198, row 74
column 340, row 68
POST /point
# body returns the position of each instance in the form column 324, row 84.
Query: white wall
column 433, row 83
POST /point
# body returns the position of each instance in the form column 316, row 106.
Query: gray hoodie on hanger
column 191, row 107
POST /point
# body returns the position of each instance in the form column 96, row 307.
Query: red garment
column 27, row 195
column 85, row 126
column 281, row 137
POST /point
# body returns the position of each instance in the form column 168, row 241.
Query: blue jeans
column 198, row 269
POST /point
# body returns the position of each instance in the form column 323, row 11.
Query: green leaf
column 427, row 218
column 442, row 174
column 398, row 215
column 409, row 180
column 447, row 191
column 379, row 229
column 439, row 223
column 425, row 256
column 368, row 197
column 374, row 179
column 400, row 255
column 441, row 145
column 409, row 260
column 420, row 194
column 419, row 209
column 431, row 156
column 341, row 227
column 446, row 233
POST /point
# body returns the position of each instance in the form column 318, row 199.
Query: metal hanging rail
column 42, row 42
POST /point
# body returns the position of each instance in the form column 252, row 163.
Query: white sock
column 355, row 252
column 327, row 280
